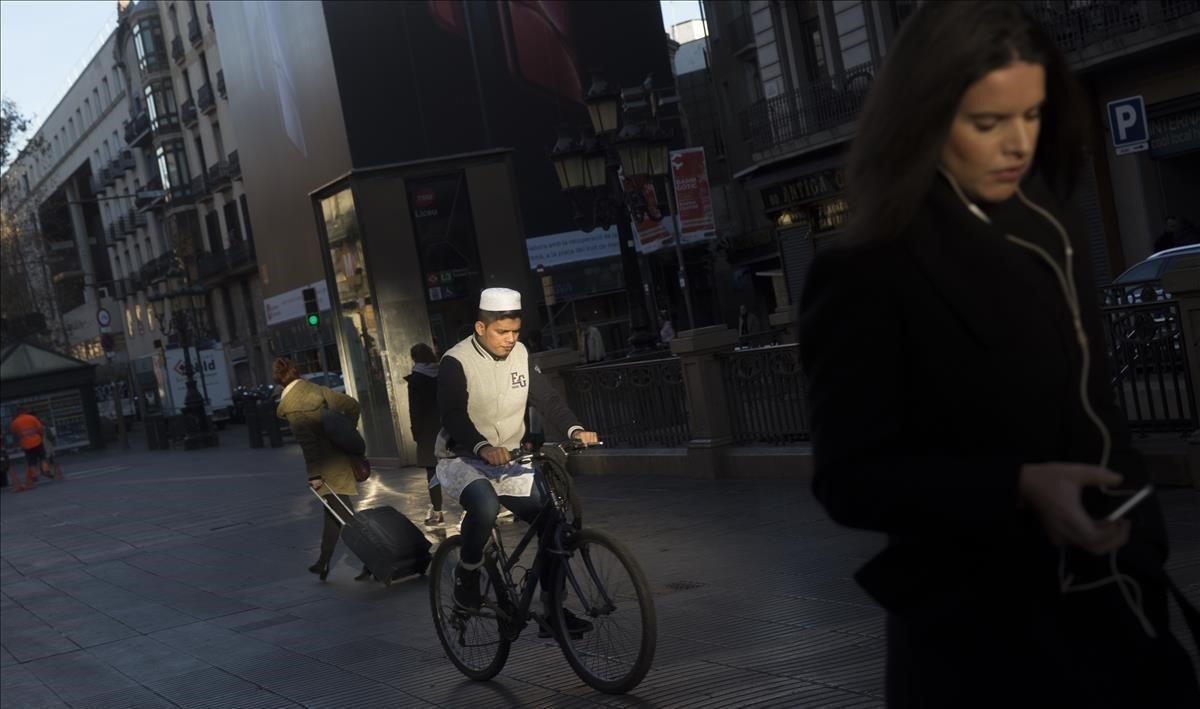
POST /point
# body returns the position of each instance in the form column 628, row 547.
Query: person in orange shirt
column 28, row 431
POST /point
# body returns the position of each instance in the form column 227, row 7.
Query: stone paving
column 161, row 579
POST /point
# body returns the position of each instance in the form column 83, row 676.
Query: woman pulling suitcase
column 330, row 471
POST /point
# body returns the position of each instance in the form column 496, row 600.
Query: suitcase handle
column 336, row 516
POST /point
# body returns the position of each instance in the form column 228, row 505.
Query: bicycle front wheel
column 601, row 583
column 473, row 642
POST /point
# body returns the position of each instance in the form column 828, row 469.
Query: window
column 151, row 50
column 187, row 82
column 107, row 94
column 96, row 101
column 814, row 49
column 57, row 148
column 174, row 21
column 160, row 102
column 231, row 223
column 107, row 154
column 116, row 141
column 172, row 165
column 212, row 224
column 204, row 66
column 216, row 128
column 246, row 217
column 25, row 181
column 96, row 164
column 116, row 74
column 71, row 130
column 192, row 9
column 87, row 110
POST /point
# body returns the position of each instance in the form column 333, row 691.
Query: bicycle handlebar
column 523, row 456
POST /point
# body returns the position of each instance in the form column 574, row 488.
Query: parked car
column 333, row 380
column 1143, row 282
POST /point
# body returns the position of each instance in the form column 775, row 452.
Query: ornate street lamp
column 603, row 102
column 567, row 156
column 184, row 318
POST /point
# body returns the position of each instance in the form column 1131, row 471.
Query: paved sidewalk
column 176, row 578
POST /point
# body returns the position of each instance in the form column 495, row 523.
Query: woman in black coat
column 426, row 422
column 960, row 394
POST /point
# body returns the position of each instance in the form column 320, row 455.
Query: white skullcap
column 499, row 300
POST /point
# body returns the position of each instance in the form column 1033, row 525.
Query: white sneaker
column 435, row 518
column 505, row 517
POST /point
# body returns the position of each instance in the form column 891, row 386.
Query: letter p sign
column 1127, row 122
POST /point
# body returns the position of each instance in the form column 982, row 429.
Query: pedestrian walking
column 27, row 429
column 973, row 422
column 425, row 420
column 329, row 471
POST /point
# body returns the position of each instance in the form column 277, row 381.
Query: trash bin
column 270, row 422
column 253, row 424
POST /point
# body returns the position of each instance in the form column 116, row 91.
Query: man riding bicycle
column 484, row 385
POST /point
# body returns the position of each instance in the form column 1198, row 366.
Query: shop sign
column 572, row 246
column 824, row 216
column 290, row 305
column 792, row 193
column 1175, row 133
column 1127, row 123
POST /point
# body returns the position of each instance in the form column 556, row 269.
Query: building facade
column 791, row 79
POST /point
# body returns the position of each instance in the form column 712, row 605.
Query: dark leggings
column 329, row 536
column 435, row 491
column 481, row 504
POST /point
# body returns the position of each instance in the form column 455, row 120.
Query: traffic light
column 313, row 313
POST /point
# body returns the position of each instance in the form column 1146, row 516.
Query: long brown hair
column 942, row 49
column 284, row 371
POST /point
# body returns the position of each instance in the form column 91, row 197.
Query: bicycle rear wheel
column 601, row 582
column 473, row 642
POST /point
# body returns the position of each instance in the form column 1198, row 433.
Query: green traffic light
column 314, row 319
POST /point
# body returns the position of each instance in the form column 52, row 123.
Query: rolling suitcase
column 386, row 541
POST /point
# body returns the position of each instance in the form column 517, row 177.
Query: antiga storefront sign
column 806, row 188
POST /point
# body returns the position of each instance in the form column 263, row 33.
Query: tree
column 12, row 124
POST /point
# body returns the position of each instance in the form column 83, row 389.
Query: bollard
column 266, row 414
column 253, row 423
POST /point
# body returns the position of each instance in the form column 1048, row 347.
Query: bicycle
column 596, row 578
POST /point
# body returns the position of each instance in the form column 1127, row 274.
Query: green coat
column 301, row 406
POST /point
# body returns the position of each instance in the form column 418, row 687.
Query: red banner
column 689, row 172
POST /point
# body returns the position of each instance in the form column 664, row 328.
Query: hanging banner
column 689, row 173
column 654, row 231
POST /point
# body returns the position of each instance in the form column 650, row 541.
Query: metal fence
column 765, row 390
column 1075, row 25
column 811, row 108
column 636, row 405
column 1151, row 378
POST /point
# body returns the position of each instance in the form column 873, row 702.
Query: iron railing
column 177, row 52
column 766, row 395
column 187, row 111
column 235, row 165
column 1076, row 25
column 137, row 129
column 221, row 83
column 1148, row 357
column 635, row 405
column 812, row 108
column 195, row 36
column 240, row 252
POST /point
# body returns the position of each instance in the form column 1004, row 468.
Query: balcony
column 127, row 225
column 235, row 166
column 201, row 187
column 188, row 113
column 137, row 130
column 195, row 36
column 107, row 176
column 221, row 84
column 740, row 33
column 1094, row 32
column 805, row 113
column 156, row 268
column 133, row 284
column 136, row 218
column 219, row 175
column 97, row 185
column 125, row 161
column 207, row 102
column 240, row 253
column 113, row 233
column 180, row 196
column 210, row 264
column 177, row 51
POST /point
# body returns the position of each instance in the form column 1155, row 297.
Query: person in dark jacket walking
column 972, row 421
column 425, row 418
column 329, row 471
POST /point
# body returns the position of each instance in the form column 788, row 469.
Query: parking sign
column 1127, row 122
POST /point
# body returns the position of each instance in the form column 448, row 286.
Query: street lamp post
column 184, row 319
column 615, row 146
